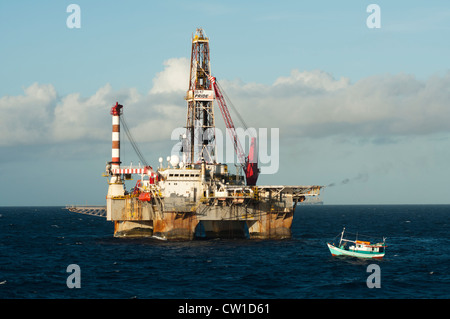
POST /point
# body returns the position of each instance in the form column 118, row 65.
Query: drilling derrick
column 199, row 144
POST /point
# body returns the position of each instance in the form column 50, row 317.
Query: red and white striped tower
column 116, row 111
column 116, row 187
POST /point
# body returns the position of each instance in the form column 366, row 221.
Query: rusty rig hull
column 253, row 212
column 220, row 222
column 186, row 226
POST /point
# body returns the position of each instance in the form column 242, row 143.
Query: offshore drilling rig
column 194, row 195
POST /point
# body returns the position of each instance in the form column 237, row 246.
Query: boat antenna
column 342, row 235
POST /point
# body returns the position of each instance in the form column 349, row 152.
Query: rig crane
column 250, row 162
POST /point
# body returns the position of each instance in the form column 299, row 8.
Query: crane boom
column 228, row 120
column 249, row 163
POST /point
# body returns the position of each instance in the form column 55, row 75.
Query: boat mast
column 342, row 235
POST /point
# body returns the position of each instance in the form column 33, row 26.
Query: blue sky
column 365, row 111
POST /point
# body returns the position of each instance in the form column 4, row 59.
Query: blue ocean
column 37, row 244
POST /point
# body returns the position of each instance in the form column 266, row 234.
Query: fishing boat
column 357, row 248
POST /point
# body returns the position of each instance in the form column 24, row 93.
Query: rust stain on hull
column 276, row 225
column 175, row 225
column 133, row 229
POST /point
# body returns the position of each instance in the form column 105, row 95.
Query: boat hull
column 335, row 251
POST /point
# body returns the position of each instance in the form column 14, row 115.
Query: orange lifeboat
column 145, row 197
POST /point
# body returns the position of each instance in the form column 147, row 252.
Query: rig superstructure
column 194, row 195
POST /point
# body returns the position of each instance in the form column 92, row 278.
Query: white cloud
column 174, row 78
column 303, row 104
column 25, row 119
column 78, row 118
column 314, row 104
column 315, row 79
column 40, row 116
